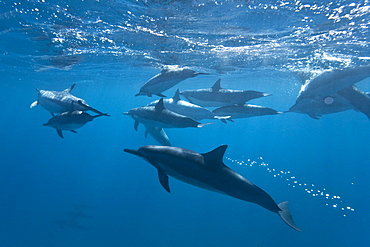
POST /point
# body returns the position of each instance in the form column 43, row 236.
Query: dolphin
column 244, row 111
column 217, row 96
column 168, row 78
column 188, row 109
column 331, row 82
column 208, row 171
column 62, row 101
column 69, row 121
column 158, row 134
column 159, row 116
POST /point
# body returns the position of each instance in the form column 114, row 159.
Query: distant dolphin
column 188, row 109
column 208, row 171
column 69, row 121
column 63, row 101
column 159, row 116
column 217, row 96
column 331, row 82
column 158, row 134
column 244, row 111
column 168, row 78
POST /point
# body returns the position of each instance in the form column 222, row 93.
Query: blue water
column 110, row 49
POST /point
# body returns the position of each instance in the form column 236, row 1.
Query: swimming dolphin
column 62, row 101
column 168, row 78
column 158, row 134
column 188, row 109
column 217, row 96
column 208, row 171
column 244, row 111
column 69, row 121
column 331, row 82
column 159, row 116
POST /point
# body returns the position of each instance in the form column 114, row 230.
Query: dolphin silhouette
column 62, row 101
column 168, row 78
column 159, row 116
column 217, row 96
column 69, row 121
column 208, row 171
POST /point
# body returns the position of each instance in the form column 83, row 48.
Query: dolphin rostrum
column 168, row 78
column 62, row 101
column 208, row 171
column 217, row 96
column 69, row 121
column 159, row 116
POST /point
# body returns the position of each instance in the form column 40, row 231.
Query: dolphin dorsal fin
column 176, row 97
column 159, row 107
column 217, row 86
column 214, row 158
column 68, row 90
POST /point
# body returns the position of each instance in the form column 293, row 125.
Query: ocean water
column 83, row 190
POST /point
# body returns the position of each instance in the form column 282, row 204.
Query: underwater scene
column 176, row 123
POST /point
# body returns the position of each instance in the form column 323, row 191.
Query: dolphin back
column 285, row 215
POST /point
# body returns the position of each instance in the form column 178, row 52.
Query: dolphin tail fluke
column 286, row 216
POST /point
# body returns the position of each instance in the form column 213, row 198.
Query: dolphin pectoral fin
column 161, row 95
column 52, row 113
column 314, row 116
column 163, row 179
column 73, row 131
column 136, row 124
column 60, row 133
column 35, row 103
column 286, row 216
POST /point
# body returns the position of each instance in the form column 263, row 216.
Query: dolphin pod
column 208, row 171
column 327, row 93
